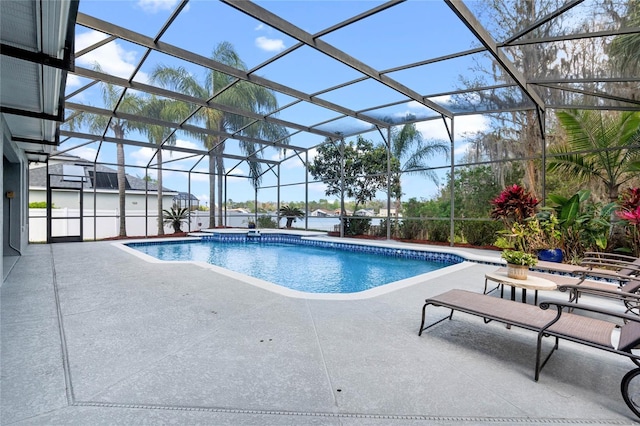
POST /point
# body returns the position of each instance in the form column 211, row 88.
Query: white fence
column 107, row 223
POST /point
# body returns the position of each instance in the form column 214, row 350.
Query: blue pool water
column 296, row 266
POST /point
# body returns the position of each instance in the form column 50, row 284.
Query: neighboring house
column 392, row 212
column 365, row 212
column 68, row 176
column 238, row 210
column 322, row 213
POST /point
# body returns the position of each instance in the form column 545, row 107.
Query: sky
column 203, row 24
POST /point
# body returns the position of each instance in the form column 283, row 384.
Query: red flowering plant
column 514, row 206
column 629, row 212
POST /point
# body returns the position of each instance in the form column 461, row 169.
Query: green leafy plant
column 265, row 221
column 39, row 205
column 514, row 206
column 584, row 226
column 356, row 225
column 518, row 257
column 543, row 231
column 479, row 233
column 175, row 217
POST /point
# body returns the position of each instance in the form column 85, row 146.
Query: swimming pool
column 308, row 266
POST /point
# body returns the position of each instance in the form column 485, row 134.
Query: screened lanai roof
column 337, row 69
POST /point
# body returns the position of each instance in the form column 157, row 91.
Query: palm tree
column 175, row 217
column 601, row 147
column 408, row 146
column 168, row 110
column 625, row 49
column 291, row 213
column 228, row 91
column 130, row 104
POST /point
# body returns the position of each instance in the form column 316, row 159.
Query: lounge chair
column 550, row 319
column 628, row 293
column 612, row 257
column 615, row 267
column 610, row 267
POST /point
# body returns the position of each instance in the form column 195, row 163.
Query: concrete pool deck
column 94, row 335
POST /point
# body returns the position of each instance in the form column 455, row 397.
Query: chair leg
column 539, row 363
column 631, row 391
column 422, row 327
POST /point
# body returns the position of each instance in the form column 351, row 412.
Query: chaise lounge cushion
column 629, row 336
column 531, row 317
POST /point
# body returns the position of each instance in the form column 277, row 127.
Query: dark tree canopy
column 365, row 169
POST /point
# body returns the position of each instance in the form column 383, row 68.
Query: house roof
column 38, row 177
column 185, row 196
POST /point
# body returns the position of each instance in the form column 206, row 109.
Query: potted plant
column 545, row 236
column 518, row 263
column 549, row 237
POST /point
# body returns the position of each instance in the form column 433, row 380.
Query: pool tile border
column 308, row 241
column 456, row 262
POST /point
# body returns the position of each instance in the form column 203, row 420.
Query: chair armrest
column 610, row 256
column 601, row 273
column 598, row 291
column 546, row 304
column 612, row 264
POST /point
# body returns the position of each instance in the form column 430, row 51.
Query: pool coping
column 469, row 260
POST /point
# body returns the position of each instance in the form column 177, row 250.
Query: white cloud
column 461, row 149
column 203, row 198
column 85, row 152
column 112, row 57
column 154, row 6
column 143, row 155
column 260, row 27
column 464, row 127
column 270, row 44
column 73, row 80
column 201, row 176
column 237, row 173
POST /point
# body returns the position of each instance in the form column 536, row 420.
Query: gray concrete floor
column 93, row 335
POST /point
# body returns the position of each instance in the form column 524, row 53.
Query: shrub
column 437, row 230
column 480, row 233
column 265, row 221
column 382, row 229
column 411, row 229
column 356, row 226
column 39, row 205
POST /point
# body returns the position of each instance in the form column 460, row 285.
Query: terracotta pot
column 518, row 272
